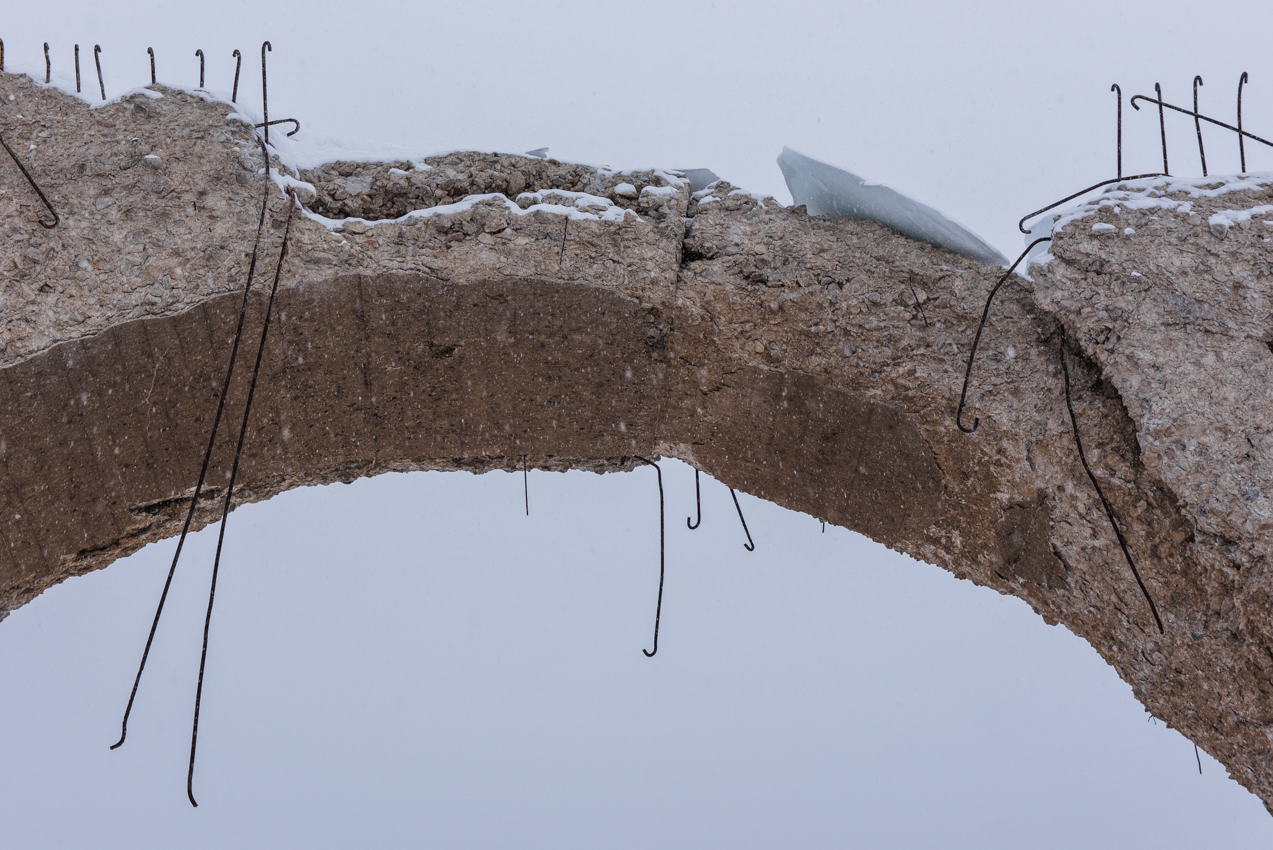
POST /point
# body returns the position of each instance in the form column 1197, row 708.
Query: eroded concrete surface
column 812, row 362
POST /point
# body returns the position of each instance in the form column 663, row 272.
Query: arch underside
column 364, row 375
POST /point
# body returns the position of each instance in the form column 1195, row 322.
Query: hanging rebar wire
column 658, row 608
column 749, row 546
column 1067, row 198
column 525, row 485
column 97, row 52
column 229, row 492
column 1197, row 125
column 1116, row 88
column 207, row 456
column 972, row 354
column 698, row 504
column 238, row 63
column 1199, row 758
column 37, row 189
column 1109, row 510
column 265, row 93
column 199, row 53
column 919, row 305
column 295, row 129
column 77, row 69
column 151, row 51
column 1241, row 141
column 1200, row 116
column 48, row 68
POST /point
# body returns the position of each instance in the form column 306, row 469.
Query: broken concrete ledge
column 461, row 323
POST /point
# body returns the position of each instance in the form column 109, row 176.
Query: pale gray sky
column 410, row 661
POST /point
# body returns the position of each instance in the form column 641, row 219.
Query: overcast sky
column 410, row 661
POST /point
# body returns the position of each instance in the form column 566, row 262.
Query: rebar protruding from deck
column 1197, row 125
column 77, row 69
column 985, row 313
column 525, row 485
column 151, row 51
column 1162, row 126
column 48, row 67
column 97, row 52
column 1025, row 218
column 698, row 504
column 1241, row 140
column 1109, row 510
column 229, row 492
column 207, row 457
column 199, row 53
column 265, row 93
column 1116, row 88
column 1, row 55
column 658, row 608
column 238, row 63
column 34, row 186
column 749, row 546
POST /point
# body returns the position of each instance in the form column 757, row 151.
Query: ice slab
column 827, row 190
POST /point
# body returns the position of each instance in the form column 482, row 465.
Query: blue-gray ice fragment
column 827, row 190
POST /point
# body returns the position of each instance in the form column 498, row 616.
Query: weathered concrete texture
column 813, row 362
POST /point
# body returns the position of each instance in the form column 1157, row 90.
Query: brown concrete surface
column 812, row 362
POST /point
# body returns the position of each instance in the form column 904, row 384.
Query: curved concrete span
column 474, row 309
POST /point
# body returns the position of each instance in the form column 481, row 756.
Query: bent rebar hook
column 698, row 503
column 963, row 395
column 238, row 63
column 1197, row 125
column 151, row 51
column 749, row 546
column 295, row 130
column 97, row 50
column 37, row 189
column 658, row 609
column 199, row 53
column 1241, row 146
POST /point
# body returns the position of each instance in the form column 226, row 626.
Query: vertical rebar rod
column 151, row 51
column 265, row 94
column 1197, row 124
column 199, row 53
column 48, row 67
column 1116, row 88
column 1162, row 128
column 238, row 63
column 1241, row 138
column 97, row 51
column 77, row 69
